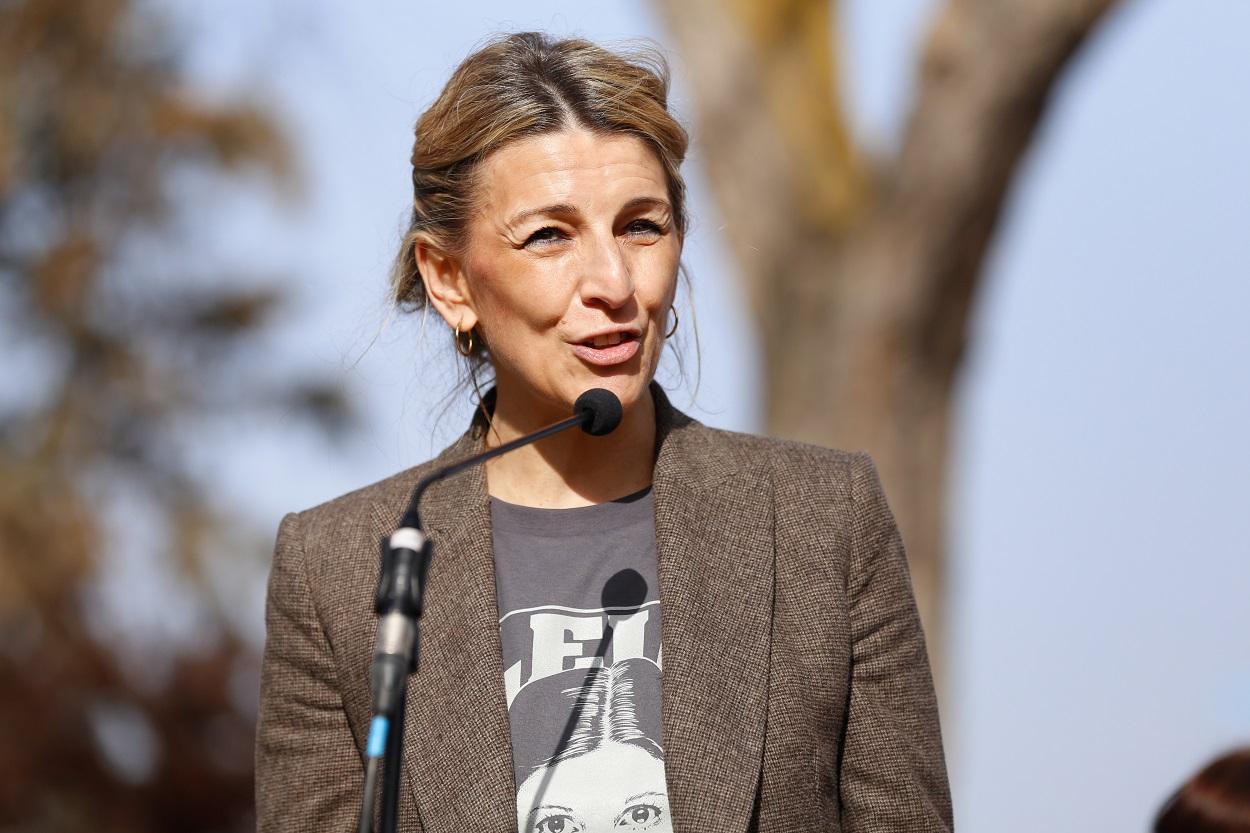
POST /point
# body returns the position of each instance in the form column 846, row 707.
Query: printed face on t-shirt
column 625, row 781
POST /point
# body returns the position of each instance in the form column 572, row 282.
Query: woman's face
column 570, row 267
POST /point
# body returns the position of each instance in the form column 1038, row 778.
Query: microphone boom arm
column 412, row 517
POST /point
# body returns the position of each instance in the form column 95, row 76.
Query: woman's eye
column 546, row 234
column 644, row 227
column 638, row 817
column 558, row 824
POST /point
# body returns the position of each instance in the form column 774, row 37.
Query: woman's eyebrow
column 561, row 209
column 645, row 202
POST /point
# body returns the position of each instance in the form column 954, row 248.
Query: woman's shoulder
column 780, row 458
column 810, row 484
column 816, row 493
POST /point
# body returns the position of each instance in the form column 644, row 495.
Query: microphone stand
column 400, row 600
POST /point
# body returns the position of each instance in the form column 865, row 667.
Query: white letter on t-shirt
column 552, row 642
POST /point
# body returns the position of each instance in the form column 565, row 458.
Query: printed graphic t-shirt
column 579, row 626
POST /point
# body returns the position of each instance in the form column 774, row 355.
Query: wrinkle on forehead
column 590, row 171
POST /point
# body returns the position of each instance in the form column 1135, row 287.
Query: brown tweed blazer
column 796, row 693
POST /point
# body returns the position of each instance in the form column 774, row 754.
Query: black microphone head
column 600, row 410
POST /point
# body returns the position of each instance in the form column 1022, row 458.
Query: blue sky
column 1100, row 514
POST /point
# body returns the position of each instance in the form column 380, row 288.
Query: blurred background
column 1001, row 245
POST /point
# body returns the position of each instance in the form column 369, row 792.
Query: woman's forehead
column 577, row 168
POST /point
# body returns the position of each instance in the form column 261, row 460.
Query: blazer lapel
column 457, row 744
column 714, row 535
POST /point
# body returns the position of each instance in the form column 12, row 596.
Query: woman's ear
column 445, row 285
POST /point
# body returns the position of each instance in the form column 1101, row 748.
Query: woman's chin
column 631, row 390
column 550, row 399
column 630, row 381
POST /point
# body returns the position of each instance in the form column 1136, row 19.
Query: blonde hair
column 518, row 86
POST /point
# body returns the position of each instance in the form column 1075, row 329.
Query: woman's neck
column 571, row 468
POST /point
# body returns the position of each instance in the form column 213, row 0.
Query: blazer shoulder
column 784, row 459
column 814, row 492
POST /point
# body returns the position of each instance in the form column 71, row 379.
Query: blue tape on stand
column 377, row 737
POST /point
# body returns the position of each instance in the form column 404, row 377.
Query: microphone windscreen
column 600, row 410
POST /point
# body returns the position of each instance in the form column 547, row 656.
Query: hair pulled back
column 518, row 86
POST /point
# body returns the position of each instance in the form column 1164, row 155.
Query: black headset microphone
column 399, row 601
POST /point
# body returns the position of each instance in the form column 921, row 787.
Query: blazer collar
column 714, row 536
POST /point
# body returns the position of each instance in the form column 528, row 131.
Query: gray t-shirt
column 579, row 625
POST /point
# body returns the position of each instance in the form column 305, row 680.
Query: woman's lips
column 607, row 356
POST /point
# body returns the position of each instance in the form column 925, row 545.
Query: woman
column 765, row 580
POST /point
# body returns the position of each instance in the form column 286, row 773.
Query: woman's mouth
column 607, row 349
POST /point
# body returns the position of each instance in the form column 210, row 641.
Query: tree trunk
column 862, row 281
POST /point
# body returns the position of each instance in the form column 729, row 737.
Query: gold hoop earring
column 673, row 328
column 462, row 348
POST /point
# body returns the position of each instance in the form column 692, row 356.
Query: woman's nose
column 606, row 278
